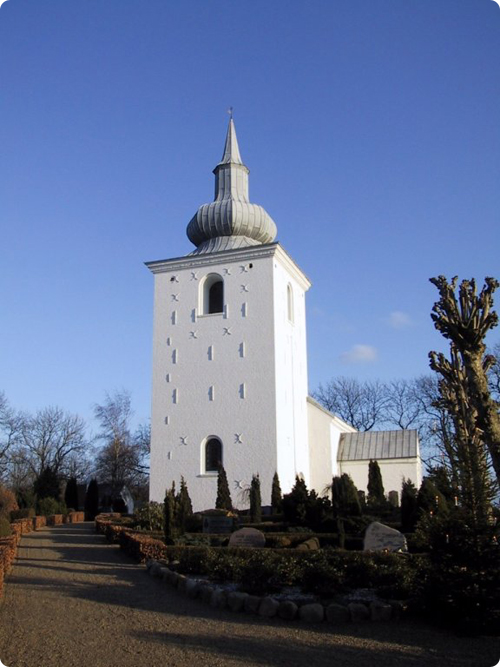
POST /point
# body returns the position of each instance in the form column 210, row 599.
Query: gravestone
column 247, row 537
column 217, row 524
column 379, row 537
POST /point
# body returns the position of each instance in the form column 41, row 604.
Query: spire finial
column 230, row 112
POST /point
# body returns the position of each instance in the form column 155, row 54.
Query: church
column 230, row 380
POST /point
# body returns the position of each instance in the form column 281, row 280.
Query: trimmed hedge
column 324, row 573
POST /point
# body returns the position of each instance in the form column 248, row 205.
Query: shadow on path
column 68, row 574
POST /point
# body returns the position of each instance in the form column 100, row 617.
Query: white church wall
column 324, row 431
column 393, row 471
column 291, row 370
column 214, row 375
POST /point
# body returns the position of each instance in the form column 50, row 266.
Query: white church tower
column 229, row 356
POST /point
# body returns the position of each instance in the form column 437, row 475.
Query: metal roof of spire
column 231, row 148
column 230, row 221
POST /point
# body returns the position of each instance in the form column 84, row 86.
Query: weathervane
column 230, row 112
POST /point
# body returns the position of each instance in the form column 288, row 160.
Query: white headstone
column 379, row 537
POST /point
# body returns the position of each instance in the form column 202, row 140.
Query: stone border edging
column 269, row 607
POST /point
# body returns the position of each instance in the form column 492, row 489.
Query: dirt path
column 73, row 600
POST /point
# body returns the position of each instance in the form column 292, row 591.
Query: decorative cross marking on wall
column 227, row 272
column 227, row 331
column 174, row 279
column 244, row 288
column 193, row 275
column 193, row 334
column 175, row 297
column 238, row 438
column 244, row 269
column 238, row 483
column 184, row 440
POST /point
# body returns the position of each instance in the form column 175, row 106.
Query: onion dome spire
column 230, row 221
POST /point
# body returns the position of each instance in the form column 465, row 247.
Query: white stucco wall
column 324, row 434
column 291, row 371
column 220, row 375
column 393, row 471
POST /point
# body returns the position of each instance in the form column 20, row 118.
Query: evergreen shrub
column 49, row 506
column 150, row 516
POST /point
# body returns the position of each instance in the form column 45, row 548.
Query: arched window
column 212, row 454
column 289, row 302
column 212, row 294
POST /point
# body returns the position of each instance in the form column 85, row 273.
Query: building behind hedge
column 230, row 363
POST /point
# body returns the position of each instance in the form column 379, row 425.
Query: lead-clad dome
column 230, row 221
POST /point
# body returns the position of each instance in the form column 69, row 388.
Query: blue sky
column 372, row 134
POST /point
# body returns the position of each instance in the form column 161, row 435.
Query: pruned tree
column 466, row 450
column 361, row 404
column 494, row 372
column 464, row 318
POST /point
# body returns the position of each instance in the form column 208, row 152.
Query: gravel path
column 73, row 600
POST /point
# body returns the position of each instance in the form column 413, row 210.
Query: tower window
column 212, row 295
column 213, row 454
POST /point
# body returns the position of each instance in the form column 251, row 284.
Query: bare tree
column 361, row 404
column 50, row 439
column 10, row 427
column 403, row 407
column 122, row 458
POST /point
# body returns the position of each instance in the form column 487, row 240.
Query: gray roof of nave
column 366, row 445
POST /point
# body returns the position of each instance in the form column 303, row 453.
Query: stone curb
column 378, row 611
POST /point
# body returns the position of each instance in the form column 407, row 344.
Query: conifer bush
column 276, row 495
column 255, row 500
column 223, row 500
column 376, row 492
column 409, row 507
column 92, row 500
column 71, row 493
